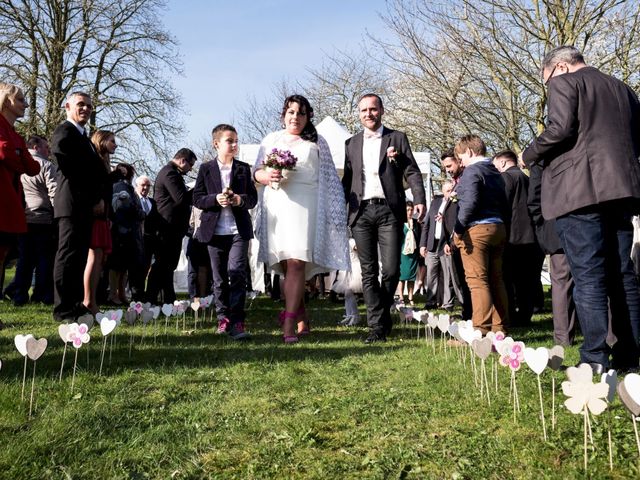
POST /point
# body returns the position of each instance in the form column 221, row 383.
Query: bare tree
column 474, row 65
column 116, row 50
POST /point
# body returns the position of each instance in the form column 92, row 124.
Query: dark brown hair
column 309, row 131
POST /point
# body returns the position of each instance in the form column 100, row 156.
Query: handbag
column 409, row 243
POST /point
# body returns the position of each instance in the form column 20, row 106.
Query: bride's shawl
column 330, row 245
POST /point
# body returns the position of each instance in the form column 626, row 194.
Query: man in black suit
column 522, row 256
column 377, row 161
column 76, row 202
column 591, row 186
column 149, row 235
column 432, row 244
column 174, row 206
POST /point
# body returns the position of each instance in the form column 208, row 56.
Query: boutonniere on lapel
column 453, row 196
column 392, row 155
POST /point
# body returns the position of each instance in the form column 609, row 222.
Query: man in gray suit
column 377, row 161
column 591, row 186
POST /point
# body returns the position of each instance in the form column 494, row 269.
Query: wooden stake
column 64, row 353
column 24, row 378
column 75, row 364
column 544, row 427
column 33, row 380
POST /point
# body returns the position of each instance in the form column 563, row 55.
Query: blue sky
column 233, row 49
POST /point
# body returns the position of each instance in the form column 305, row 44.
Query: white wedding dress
column 306, row 217
column 292, row 209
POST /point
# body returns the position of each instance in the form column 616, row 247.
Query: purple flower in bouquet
column 280, row 160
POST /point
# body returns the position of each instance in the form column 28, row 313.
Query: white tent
column 335, row 135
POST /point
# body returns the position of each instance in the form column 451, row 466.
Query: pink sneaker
column 223, row 324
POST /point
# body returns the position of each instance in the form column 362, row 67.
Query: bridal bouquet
column 282, row 160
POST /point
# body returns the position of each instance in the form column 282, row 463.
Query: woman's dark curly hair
column 309, row 131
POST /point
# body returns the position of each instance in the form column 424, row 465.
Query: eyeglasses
column 551, row 74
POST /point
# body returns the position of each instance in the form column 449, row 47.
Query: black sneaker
column 237, row 332
column 375, row 338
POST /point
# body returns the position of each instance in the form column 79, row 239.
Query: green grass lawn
column 201, row 406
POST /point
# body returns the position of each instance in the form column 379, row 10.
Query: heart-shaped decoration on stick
column 611, row 379
column 167, row 309
column 482, row 347
column 87, row 319
column 443, row 323
column 537, row 359
column 130, row 317
column 35, row 348
column 432, row 320
column 115, row 315
column 63, row 331
column 146, row 316
column 556, row 357
column 107, row 326
column 21, row 343
column 629, row 391
column 453, row 330
column 469, row 334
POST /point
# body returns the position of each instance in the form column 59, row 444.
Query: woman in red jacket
column 15, row 160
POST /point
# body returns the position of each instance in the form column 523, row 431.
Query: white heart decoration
column 21, row 343
column 35, row 348
column 432, row 320
column 63, row 331
column 443, row 323
column 482, row 347
column 71, row 330
column 611, row 379
column 167, row 309
column 417, row 316
column 632, row 385
column 468, row 333
column 195, row 306
column 107, row 326
column 537, row 359
column 454, row 329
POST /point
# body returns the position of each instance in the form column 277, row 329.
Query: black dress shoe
column 375, row 338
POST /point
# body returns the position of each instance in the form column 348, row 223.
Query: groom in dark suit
column 591, row 185
column 377, row 161
column 76, row 202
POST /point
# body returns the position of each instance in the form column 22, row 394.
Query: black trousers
column 378, row 228
column 458, row 270
column 229, row 258
column 521, row 277
column 74, row 238
column 167, row 255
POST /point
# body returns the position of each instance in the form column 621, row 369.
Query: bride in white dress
column 302, row 224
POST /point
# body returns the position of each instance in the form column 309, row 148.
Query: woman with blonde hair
column 15, row 160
